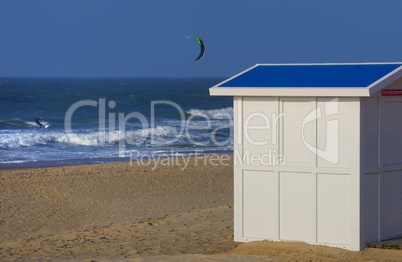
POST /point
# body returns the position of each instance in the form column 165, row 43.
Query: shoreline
column 60, row 163
column 104, row 160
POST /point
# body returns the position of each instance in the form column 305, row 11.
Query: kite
column 202, row 46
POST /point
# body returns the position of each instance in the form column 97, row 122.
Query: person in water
column 213, row 137
column 39, row 120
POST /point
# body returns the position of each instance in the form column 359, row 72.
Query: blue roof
column 312, row 76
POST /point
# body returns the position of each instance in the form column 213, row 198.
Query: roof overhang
column 219, row 90
column 272, row 91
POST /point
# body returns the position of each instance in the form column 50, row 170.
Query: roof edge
column 287, row 92
column 385, row 80
column 312, row 64
column 236, row 75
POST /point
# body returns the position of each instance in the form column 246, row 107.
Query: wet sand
column 137, row 212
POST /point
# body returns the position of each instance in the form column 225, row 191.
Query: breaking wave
column 90, row 138
column 224, row 113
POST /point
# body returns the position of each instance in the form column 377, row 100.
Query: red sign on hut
column 391, row 92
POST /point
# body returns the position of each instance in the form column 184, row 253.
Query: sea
column 98, row 120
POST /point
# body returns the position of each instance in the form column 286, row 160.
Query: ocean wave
column 158, row 134
column 223, row 113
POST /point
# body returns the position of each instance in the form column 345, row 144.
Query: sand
column 137, row 212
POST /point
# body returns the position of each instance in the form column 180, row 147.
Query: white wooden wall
column 308, row 198
column 382, row 161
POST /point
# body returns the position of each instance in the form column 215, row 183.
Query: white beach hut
column 318, row 152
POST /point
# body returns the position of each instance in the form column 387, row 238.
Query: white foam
column 89, row 138
column 224, row 113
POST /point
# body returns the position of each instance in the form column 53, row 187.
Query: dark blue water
column 110, row 119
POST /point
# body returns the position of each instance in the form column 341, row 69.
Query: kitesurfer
column 213, row 137
column 39, row 120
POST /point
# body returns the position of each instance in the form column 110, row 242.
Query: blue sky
column 147, row 37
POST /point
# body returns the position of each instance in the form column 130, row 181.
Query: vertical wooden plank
column 295, row 206
column 258, row 203
column 334, row 209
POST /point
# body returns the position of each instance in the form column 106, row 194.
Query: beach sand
column 136, row 212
